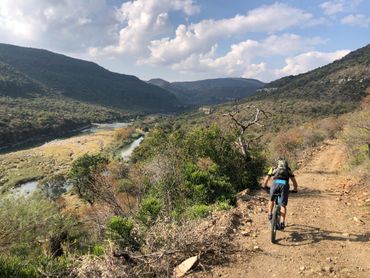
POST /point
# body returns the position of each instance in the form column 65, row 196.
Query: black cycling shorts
column 282, row 189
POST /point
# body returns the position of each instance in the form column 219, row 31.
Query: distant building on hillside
column 206, row 110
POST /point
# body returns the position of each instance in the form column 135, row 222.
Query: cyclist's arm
column 295, row 184
column 267, row 179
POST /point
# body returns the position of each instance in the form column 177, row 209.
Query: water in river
column 25, row 189
column 100, row 127
column 127, row 151
column 30, row 187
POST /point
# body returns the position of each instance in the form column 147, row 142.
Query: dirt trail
column 322, row 238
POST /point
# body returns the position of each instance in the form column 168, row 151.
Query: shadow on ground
column 298, row 235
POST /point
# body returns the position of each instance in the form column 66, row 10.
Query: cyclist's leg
column 284, row 201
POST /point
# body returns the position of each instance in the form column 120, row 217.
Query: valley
column 153, row 180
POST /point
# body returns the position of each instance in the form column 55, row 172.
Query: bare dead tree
column 243, row 124
column 104, row 191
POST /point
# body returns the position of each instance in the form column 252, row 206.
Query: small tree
column 82, row 175
column 93, row 183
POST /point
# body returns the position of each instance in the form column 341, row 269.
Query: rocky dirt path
column 326, row 235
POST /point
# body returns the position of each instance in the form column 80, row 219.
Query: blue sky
column 192, row 39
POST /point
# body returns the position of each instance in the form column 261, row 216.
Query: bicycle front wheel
column 274, row 223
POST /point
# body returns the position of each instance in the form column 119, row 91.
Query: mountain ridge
column 87, row 81
column 210, row 91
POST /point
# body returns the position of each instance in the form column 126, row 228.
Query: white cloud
column 356, row 20
column 145, row 20
column 65, row 24
column 332, row 7
column 243, row 58
column 200, row 37
column 309, row 61
column 339, row 6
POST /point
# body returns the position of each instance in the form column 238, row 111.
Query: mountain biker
column 281, row 174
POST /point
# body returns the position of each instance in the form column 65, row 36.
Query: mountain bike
column 275, row 221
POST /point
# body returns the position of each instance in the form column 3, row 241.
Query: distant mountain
column 44, row 95
column 86, row 81
column 210, row 91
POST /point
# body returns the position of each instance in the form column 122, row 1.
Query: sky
column 181, row 40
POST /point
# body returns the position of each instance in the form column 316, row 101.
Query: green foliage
column 208, row 185
column 198, row 211
column 16, row 267
column 120, row 229
column 223, row 205
column 183, row 168
column 150, row 208
column 82, row 175
column 98, row 250
column 28, row 220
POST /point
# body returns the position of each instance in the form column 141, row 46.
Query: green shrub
column 223, row 205
column 125, row 186
column 26, row 220
column 199, row 211
column 120, row 229
column 98, row 250
column 208, row 186
column 16, row 267
column 82, row 172
column 150, row 208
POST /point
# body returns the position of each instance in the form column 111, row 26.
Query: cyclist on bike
column 281, row 174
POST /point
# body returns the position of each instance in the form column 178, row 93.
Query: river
column 126, row 152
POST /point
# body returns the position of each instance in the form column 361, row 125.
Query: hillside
column 331, row 90
column 210, row 91
column 87, row 81
column 30, row 111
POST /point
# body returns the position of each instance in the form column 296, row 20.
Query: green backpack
column 281, row 170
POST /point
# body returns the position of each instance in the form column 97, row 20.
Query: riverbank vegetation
column 56, row 157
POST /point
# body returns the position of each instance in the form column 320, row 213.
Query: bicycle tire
column 274, row 223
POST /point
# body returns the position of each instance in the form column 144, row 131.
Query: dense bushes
column 185, row 172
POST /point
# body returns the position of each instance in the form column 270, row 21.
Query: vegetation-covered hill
column 330, row 90
column 87, row 81
column 30, row 111
column 210, row 91
column 43, row 94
